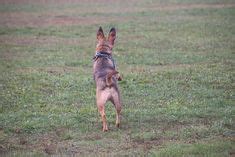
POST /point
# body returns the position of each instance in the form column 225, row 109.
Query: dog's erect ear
column 112, row 36
column 100, row 34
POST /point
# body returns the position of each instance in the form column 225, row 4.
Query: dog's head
column 105, row 44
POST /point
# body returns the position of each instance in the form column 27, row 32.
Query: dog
column 106, row 76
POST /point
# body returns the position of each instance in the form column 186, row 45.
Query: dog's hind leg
column 101, row 99
column 118, row 106
column 118, row 110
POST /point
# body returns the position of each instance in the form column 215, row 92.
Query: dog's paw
column 118, row 125
column 119, row 78
column 105, row 130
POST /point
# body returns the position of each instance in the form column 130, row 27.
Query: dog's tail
column 109, row 80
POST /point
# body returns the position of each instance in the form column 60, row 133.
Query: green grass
column 211, row 149
column 177, row 62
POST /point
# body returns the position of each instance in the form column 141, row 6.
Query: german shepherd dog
column 106, row 76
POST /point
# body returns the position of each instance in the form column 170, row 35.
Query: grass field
column 176, row 57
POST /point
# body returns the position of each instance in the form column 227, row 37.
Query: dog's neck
column 103, row 54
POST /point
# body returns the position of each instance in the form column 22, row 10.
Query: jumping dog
column 106, row 76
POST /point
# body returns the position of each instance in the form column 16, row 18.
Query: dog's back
column 103, row 72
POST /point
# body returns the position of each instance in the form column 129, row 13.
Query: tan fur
column 106, row 76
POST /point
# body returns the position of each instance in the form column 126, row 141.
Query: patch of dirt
column 93, row 137
column 190, row 6
column 36, row 40
column 148, row 144
column 23, row 19
column 50, row 143
column 72, row 16
column 55, row 1
column 7, row 55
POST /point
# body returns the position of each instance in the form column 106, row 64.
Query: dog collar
column 105, row 55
